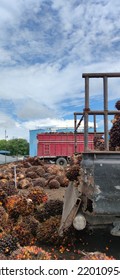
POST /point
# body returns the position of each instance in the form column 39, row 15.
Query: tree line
column 17, row 146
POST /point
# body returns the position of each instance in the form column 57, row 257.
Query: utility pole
column 5, row 144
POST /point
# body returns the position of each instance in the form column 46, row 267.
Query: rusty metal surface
column 70, row 207
column 96, row 194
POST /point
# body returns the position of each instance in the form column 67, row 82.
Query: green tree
column 3, row 144
column 17, row 146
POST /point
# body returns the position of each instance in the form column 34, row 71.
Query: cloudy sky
column 45, row 46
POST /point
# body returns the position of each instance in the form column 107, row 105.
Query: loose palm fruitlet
column 30, row 253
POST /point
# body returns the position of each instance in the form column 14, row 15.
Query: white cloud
column 45, row 47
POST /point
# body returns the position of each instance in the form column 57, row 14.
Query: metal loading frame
column 85, row 114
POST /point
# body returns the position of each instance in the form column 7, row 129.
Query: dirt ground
column 56, row 193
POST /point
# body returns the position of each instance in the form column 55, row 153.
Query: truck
column 58, row 147
column 94, row 202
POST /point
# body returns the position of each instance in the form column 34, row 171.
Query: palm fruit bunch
column 8, row 244
column 9, row 188
column 6, row 190
column 23, row 234
column 63, row 180
column 34, row 172
column 50, row 208
column 53, row 184
column 75, row 159
column 30, row 253
column 41, row 182
column 7, row 174
column 3, row 196
column 55, row 169
column 3, row 183
column 40, row 171
column 98, row 143
column 117, row 105
column 31, row 174
column 33, row 161
column 115, row 134
column 8, row 226
column 72, row 172
column 115, row 130
column 17, row 205
column 24, row 183
column 3, row 216
column 2, row 232
column 37, row 195
column 31, row 222
column 3, row 257
column 116, row 118
column 47, row 231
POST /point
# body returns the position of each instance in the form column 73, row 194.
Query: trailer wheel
column 61, row 161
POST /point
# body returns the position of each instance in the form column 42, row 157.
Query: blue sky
column 45, row 46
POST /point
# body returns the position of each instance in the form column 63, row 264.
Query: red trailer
column 60, row 146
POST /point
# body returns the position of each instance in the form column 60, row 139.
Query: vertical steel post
column 94, row 123
column 15, row 176
column 86, row 114
column 75, row 133
column 105, row 88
